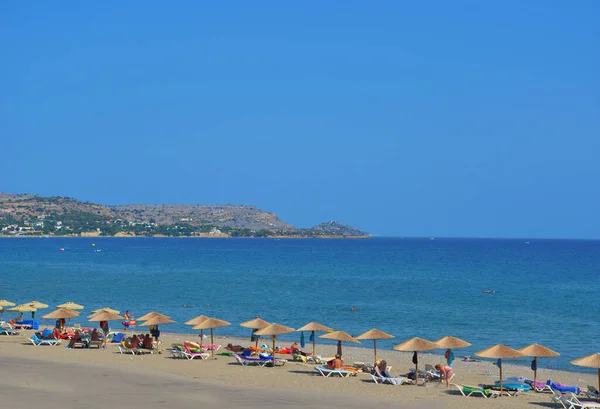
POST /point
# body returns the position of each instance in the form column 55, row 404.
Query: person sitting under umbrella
column 147, row 342
column 296, row 349
column 336, row 363
column 381, row 369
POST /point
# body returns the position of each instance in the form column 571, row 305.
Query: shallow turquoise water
column 546, row 291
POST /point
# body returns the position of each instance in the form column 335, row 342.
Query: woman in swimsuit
column 446, row 373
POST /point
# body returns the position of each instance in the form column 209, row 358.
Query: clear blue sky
column 443, row 118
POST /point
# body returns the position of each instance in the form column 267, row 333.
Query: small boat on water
column 488, row 291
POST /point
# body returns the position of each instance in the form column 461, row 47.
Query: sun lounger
column 7, row 331
column 177, row 351
column 563, row 388
column 246, row 360
column 20, row 325
column 125, row 348
column 592, row 392
column 577, row 403
column 191, row 355
column 35, row 340
column 392, row 381
column 326, row 372
column 467, row 390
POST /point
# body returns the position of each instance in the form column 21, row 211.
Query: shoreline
column 295, row 377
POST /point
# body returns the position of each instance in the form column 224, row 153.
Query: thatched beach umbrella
column 449, row 343
column 340, row 336
column 24, row 308
column 37, row 305
column 195, row 321
column 375, row 334
column 590, row 361
column 104, row 315
column 146, row 317
column 416, row 345
column 500, row 352
column 71, row 306
column 273, row 330
column 212, row 323
column 4, row 304
column 314, row 327
column 61, row 313
column 255, row 325
column 105, row 309
column 535, row 351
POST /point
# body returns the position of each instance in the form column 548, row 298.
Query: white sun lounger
column 326, row 372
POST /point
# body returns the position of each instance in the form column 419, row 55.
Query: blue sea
column 546, row 291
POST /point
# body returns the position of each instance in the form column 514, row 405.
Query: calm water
column 546, row 291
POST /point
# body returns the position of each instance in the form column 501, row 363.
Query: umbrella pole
column 212, row 350
column 500, row 376
column 375, row 350
column 274, row 350
column 417, row 369
column 535, row 373
column 313, row 337
column 201, row 337
column 598, row 378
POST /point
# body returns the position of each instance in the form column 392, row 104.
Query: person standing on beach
column 446, row 372
column 126, row 321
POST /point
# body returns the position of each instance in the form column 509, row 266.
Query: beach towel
column 302, row 344
column 415, row 360
column 563, row 388
column 449, row 357
column 534, row 364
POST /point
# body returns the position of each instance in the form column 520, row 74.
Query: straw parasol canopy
column 273, row 330
column 23, row 308
column 150, row 315
column 500, row 352
column 340, row 336
column 71, row 306
column 158, row 320
column 4, row 303
column 195, row 321
column 449, row 342
column 375, row 334
column 590, row 361
column 255, row 325
column 61, row 313
column 198, row 320
column 314, row 327
column 37, row 304
column 104, row 315
column 535, row 351
column 416, row 344
column 212, row 323
column 105, row 309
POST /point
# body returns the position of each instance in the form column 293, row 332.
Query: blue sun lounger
column 35, row 340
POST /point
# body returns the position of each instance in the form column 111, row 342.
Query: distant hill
column 27, row 214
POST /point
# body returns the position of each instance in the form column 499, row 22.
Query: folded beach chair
column 35, row 340
column 191, row 355
column 7, row 331
column 467, row 390
column 326, row 372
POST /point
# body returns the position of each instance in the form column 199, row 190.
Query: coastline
column 294, row 377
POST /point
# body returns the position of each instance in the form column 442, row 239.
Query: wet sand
column 39, row 375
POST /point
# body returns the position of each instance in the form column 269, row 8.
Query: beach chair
column 467, row 390
column 577, row 403
column 125, row 348
column 592, row 392
column 8, row 331
column 400, row 380
column 191, row 355
column 563, row 388
column 177, row 351
column 21, row 325
column 342, row 373
column 247, row 360
column 35, row 340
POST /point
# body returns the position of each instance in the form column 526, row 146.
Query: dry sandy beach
column 65, row 378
